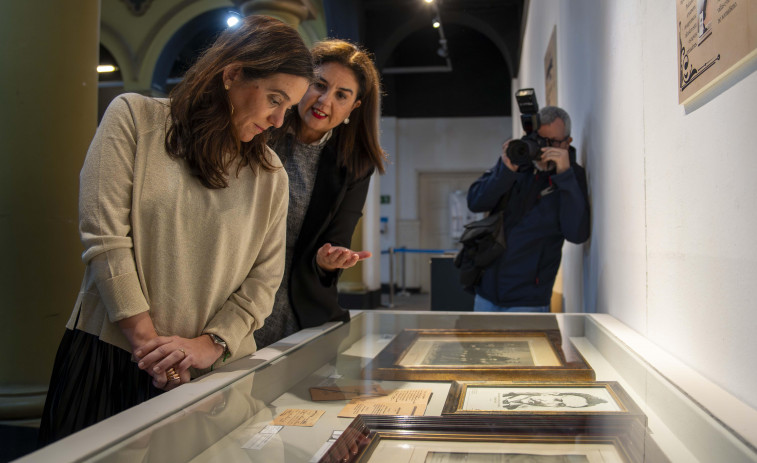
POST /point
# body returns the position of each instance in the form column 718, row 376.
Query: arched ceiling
column 483, row 41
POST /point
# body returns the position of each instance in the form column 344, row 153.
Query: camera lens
column 518, row 152
column 526, row 150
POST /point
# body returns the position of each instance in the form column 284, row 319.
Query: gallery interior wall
column 416, row 145
column 672, row 187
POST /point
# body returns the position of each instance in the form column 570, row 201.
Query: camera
column 525, row 151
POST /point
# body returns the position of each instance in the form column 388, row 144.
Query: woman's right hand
column 159, row 354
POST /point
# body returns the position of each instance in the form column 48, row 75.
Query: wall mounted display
column 550, row 70
column 456, row 438
column 575, row 401
column 714, row 38
column 454, row 354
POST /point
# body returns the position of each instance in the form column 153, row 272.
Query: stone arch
column 117, row 46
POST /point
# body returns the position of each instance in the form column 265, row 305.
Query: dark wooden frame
column 386, row 365
column 360, row 439
column 628, row 408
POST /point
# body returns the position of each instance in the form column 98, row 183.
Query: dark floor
column 16, row 441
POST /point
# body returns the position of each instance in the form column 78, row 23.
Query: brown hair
column 201, row 131
column 358, row 144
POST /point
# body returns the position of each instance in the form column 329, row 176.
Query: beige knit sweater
column 199, row 260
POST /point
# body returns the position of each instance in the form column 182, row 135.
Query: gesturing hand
column 331, row 258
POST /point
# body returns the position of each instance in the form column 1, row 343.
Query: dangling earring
column 232, row 107
column 347, row 121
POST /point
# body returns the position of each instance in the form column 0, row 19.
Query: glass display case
column 647, row 406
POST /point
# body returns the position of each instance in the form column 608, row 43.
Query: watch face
column 216, row 339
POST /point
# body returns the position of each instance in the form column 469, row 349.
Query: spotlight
column 232, row 20
column 429, row 1
column 436, row 23
column 106, row 68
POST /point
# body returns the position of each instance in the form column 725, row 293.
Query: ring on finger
column 182, row 351
column 172, row 376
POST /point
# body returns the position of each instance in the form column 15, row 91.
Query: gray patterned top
column 302, row 167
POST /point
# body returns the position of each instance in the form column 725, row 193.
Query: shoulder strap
column 502, row 202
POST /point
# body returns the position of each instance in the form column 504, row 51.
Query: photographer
column 545, row 203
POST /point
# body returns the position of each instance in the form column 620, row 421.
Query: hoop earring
column 347, row 121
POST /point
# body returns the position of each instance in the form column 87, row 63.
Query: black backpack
column 483, row 242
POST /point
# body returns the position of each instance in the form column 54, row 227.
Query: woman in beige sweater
column 183, row 219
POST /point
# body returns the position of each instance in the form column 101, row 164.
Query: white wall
column 671, row 186
column 432, row 145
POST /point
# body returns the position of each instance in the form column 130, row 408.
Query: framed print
column 456, row 438
column 454, row 354
column 577, row 401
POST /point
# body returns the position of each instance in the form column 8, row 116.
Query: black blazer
column 336, row 205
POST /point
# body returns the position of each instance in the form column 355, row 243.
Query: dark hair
column 358, row 146
column 200, row 129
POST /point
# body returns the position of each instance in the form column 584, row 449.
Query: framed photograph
column 454, row 354
column 485, row 439
column 580, row 402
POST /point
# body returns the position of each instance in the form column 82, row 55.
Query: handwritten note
column 298, row 417
column 398, row 402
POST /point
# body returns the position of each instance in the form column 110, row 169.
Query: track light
column 436, row 23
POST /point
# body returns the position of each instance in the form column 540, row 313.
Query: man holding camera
column 542, row 193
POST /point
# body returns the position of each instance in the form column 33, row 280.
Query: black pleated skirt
column 91, row 380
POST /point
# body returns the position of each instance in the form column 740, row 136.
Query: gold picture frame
column 579, row 402
column 457, row 354
column 404, row 439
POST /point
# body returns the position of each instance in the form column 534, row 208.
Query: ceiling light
column 429, row 1
column 106, row 68
column 232, row 20
column 436, row 23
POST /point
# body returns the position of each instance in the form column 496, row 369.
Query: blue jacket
column 526, row 271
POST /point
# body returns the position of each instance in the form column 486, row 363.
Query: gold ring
column 182, row 351
column 172, row 376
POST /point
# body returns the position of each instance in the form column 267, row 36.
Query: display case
column 663, row 410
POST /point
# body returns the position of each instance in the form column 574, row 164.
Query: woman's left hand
column 159, row 354
column 331, row 258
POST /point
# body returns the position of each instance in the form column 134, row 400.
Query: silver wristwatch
column 218, row 340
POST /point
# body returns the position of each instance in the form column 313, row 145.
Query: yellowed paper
column 298, row 417
column 398, row 402
column 352, row 410
column 412, row 396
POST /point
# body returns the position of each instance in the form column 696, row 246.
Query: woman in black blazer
column 329, row 145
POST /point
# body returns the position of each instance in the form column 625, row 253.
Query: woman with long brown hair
column 182, row 215
column 329, row 145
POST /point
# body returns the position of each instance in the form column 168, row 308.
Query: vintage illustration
column 444, row 355
column 714, row 37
